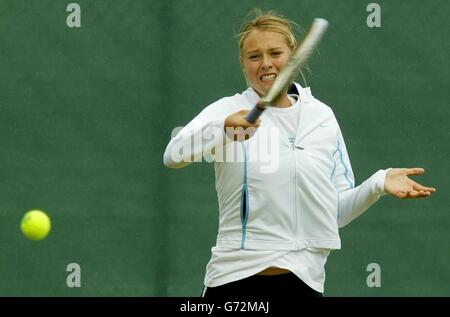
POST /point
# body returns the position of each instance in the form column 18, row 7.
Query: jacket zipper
column 295, row 189
column 244, row 200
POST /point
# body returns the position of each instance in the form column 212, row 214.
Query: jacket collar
column 304, row 93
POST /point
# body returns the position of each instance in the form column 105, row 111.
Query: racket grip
column 253, row 115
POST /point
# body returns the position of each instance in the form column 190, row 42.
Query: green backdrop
column 86, row 114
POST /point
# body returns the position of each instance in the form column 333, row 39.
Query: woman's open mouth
column 268, row 78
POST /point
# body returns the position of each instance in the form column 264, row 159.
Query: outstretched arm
column 397, row 183
column 353, row 201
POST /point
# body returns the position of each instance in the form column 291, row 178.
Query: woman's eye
column 276, row 53
column 253, row 57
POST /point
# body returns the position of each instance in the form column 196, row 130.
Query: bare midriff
column 273, row 271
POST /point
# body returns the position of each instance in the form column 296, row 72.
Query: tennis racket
column 292, row 68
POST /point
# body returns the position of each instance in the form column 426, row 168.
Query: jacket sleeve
column 353, row 201
column 200, row 137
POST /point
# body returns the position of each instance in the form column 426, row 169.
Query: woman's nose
column 266, row 63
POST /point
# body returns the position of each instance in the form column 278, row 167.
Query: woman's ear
column 241, row 62
column 243, row 70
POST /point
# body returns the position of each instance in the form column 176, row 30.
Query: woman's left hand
column 398, row 183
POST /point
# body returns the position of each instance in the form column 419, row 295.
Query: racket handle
column 253, row 115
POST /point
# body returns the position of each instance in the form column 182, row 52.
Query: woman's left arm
column 354, row 201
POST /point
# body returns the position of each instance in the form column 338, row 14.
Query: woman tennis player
column 277, row 226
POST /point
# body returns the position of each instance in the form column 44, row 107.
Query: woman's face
column 264, row 54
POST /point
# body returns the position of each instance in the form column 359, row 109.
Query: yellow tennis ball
column 35, row 225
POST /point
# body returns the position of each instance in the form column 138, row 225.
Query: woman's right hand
column 238, row 128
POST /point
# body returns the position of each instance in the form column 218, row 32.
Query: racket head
column 300, row 56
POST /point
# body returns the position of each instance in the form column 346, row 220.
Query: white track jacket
column 275, row 193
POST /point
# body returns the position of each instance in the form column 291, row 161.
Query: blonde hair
column 269, row 21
